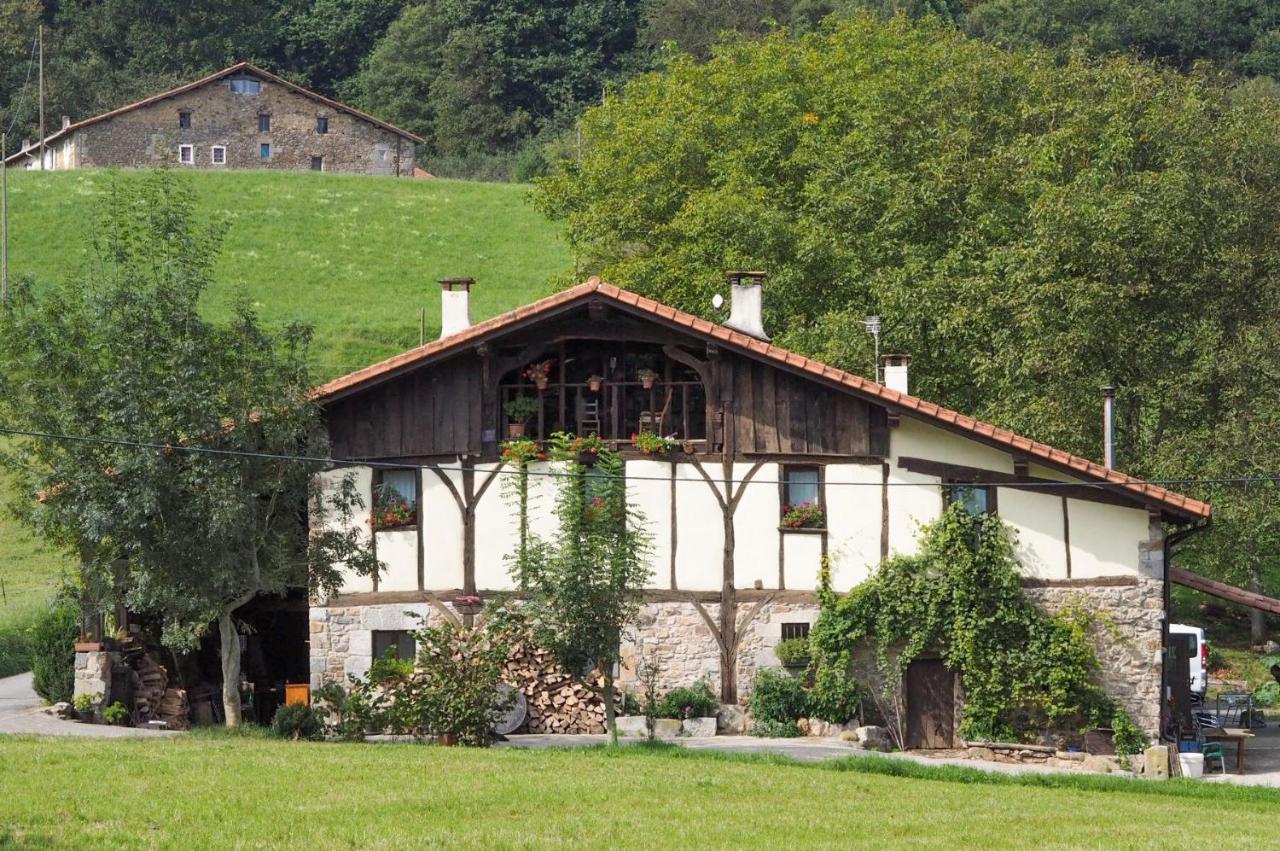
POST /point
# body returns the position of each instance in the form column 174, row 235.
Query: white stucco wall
column 398, row 550
column 322, row 518
column 700, row 547
column 1105, row 539
column 755, row 527
column 497, row 529
column 649, row 495
column 802, row 553
column 442, row 530
column 853, row 510
column 1036, row 519
column 914, row 439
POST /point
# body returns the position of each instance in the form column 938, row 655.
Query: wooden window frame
column 184, row 119
column 377, row 480
column 322, row 125
column 264, row 151
column 949, row 484
column 213, row 155
column 190, row 151
column 798, row 629
column 317, row 161
column 264, row 122
column 400, row 635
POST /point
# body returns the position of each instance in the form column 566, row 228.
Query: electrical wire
column 22, row 99
column 328, row 461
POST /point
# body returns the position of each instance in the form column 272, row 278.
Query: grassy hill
column 357, row 257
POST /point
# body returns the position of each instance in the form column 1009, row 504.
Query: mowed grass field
column 203, row 792
column 356, row 257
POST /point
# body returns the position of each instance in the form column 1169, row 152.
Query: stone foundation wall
column 342, row 637
column 1126, row 638
column 93, row 675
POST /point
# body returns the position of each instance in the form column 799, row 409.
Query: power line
column 328, row 461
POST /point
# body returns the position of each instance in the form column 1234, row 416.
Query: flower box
column 468, row 605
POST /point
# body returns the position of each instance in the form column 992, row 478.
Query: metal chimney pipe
column 1108, row 426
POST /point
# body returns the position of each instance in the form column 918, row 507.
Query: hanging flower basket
column 539, row 373
column 468, row 604
column 595, row 382
column 647, row 378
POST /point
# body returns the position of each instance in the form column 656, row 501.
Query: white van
column 1192, row 637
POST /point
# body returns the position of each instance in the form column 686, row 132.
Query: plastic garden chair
column 1214, row 750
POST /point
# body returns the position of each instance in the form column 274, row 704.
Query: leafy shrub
column 1127, row 737
column 778, row 697
column 1267, row 695
column 53, row 656
column 775, row 729
column 15, row 641
column 297, row 721
column 696, row 701
column 116, row 715
column 793, row 652
column 835, row 696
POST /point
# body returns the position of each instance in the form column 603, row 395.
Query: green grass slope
column 356, row 257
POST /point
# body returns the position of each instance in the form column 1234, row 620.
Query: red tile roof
column 217, row 75
column 908, row 405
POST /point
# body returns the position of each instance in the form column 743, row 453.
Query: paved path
column 22, row 712
column 806, row 750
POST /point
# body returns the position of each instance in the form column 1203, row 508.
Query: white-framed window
column 218, row 155
column 186, row 154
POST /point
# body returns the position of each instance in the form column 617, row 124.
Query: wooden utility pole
column 40, row 38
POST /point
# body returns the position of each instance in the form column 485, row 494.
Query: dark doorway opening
column 930, row 697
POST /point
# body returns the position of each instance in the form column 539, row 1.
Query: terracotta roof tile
column 928, row 410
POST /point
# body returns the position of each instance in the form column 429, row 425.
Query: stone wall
column 150, row 135
column 93, row 675
column 342, row 637
column 1126, row 637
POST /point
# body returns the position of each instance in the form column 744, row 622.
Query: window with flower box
column 395, row 499
column 802, row 506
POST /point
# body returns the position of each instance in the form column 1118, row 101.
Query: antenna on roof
column 872, row 324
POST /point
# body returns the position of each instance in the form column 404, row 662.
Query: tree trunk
column 230, row 642
column 610, row 722
column 1257, row 617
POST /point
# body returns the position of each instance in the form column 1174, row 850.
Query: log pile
column 152, row 697
column 558, row 702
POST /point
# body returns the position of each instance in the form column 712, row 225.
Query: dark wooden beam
column 1107, row 494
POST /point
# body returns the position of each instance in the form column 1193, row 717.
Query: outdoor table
column 1230, row 734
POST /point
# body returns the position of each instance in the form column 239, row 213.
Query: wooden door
column 930, row 705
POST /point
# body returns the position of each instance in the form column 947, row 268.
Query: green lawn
column 245, row 792
column 357, row 257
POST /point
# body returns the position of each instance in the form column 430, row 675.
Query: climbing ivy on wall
column 1023, row 671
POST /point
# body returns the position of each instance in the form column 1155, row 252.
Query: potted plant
column 391, row 510
column 583, row 449
column 522, row 450
column 804, row 515
column 653, row 444
column 595, row 382
column 519, row 411
column 793, row 652
column 647, row 378
column 539, row 373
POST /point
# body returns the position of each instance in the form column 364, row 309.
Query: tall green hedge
column 53, row 637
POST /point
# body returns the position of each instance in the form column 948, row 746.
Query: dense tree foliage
column 493, row 83
column 1029, row 229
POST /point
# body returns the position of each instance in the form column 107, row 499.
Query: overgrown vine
column 1023, row 671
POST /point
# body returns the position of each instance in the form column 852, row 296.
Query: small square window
column 322, row 124
column 218, row 155
column 403, row 482
column 801, row 485
column 795, row 630
column 976, row 499
column 184, row 120
column 186, row 154
column 264, row 150
column 264, row 123
column 397, row 641
column 317, row 163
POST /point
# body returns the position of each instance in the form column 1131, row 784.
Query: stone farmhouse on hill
column 240, row 117
column 761, row 428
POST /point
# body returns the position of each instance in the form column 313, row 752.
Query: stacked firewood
column 558, row 702
column 173, row 708
column 150, row 682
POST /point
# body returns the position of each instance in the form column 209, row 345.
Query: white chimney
column 747, row 303
column 455, row 305
column 895, row 372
